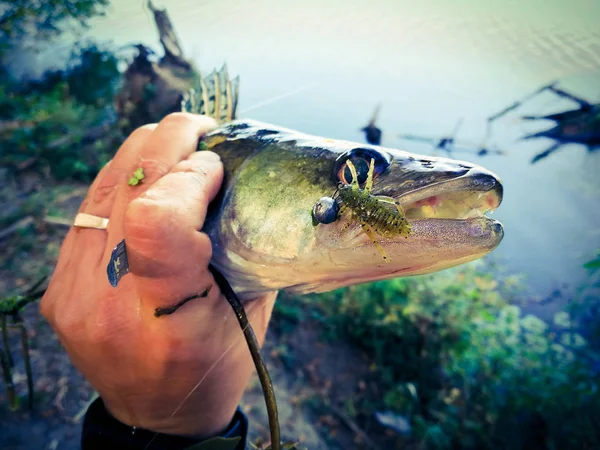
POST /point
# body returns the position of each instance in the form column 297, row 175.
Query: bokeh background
column 497, row 354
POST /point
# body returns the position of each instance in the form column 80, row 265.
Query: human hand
column 144, row 367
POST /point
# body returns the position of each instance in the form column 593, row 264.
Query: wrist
column 101, row 430
column 193, row 423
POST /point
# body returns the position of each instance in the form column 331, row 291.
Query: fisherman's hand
column 144, row 367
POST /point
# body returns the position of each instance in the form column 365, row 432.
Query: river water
column 428, row 63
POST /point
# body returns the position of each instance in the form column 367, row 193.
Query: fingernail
column 205, row 155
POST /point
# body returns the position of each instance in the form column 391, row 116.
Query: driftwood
column 168, row 39
column 153, row 89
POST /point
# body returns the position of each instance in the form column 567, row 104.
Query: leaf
column 217, row 443
column 137, row 177
column 485, row 284
column 562, row 319
column 487, row 316
column 533, row 324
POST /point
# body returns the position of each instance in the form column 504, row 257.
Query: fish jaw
column 264, row 238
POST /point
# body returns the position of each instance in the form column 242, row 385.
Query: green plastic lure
column 377, row 214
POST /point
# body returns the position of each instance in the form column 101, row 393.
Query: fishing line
column 211, row 368
column 279, row 97
column 217, row 361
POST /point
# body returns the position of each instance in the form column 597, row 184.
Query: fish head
column 265, row 237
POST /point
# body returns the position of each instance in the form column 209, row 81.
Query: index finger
column 173, row 140
column 166, row 252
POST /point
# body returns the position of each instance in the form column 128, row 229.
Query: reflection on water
column 428, row 63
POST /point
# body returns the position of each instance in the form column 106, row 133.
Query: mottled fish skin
column 261, row 224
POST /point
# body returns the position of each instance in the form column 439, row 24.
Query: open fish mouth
column 472, row 195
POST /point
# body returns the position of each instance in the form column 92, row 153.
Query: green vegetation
column 64, row 123
column 462, row 366
column 11, row 308
column 44, row 19
column 136, row 178
column 61, row 124
column 586, row 306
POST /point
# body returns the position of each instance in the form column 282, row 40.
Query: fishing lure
column 377, row 214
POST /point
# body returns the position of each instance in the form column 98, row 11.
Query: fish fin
column 215, row 95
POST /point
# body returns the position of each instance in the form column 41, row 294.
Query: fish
column 261, row 224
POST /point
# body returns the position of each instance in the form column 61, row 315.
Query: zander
column 262, row 226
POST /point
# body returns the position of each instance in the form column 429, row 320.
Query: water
column 428, row 64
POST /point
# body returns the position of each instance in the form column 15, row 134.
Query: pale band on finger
column 84, row 220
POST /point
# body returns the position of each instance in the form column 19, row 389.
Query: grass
column 460, row 365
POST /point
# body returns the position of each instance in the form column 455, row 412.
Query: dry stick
column 353, row 426
column 8, row 379
column 16, row 226
column 24, row 301
column 52, row 220
column 259, row 363
column 25, row 345
column 9, row 359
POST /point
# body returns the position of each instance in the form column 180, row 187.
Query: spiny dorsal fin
column 215, row 95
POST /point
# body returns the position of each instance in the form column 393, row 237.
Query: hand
column 144, row 367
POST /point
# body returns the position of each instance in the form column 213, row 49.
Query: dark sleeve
column 102, row 431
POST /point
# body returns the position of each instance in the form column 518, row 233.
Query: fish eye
column 361, row 159
column 362, row 171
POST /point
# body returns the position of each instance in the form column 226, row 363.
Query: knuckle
column 142, row 132
column 178, row 119
column 154, row 168
column 192, row 168
column 107, row 187
column 147, row 219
